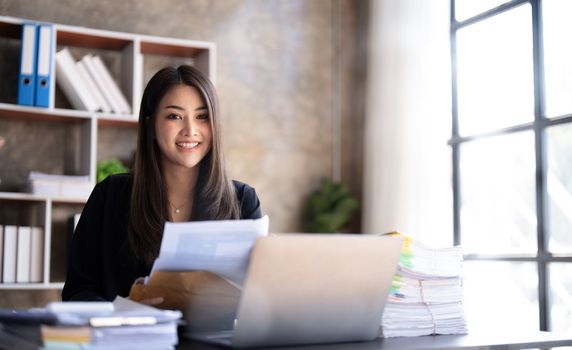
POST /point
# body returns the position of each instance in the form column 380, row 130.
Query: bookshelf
column 131, row 59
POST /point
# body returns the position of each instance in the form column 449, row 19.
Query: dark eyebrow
column 182, row 109
column 175, row 107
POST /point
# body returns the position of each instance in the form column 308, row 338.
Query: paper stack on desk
column 122, row 324
column 426, row 295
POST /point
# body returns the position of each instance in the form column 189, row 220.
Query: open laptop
column 311, row 288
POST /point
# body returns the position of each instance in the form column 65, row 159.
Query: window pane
column 559, row 185
column 557, row 52
column 561, row 297
column 498, row 212
column 468, row 8
column 501, row 294
column 494, row 72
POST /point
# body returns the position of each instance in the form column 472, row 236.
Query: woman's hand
column 137, row 293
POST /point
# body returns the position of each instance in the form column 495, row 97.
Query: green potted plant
column 110, row 167
column 330, row 208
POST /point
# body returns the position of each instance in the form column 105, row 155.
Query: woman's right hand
column 137, row 293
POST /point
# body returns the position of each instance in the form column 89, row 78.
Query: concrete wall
column 291, row 80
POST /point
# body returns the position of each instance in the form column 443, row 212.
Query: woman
column 179, row 175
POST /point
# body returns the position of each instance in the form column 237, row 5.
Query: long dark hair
column 149, row 210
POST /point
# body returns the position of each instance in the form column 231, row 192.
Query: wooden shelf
column 91, row 40
column 12, row 111
column 169, row 49
column 118, row 121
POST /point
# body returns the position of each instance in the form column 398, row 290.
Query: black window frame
column 538, row 125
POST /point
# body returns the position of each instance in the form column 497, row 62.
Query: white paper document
column 222, row 246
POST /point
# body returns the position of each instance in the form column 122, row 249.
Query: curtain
column 407, row 162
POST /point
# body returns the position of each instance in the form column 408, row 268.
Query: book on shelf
column 88, row 84
column 43, row 88
column 110, row 83
column 92, row 87
column 426, row 295
column 71, row 83
column 59, row 185
column 73, row 220
column 10, row 246
column 1, row 251
column 37, row 254
column 28, row 56
column 34, row 86
column 23, row 254
column 76, row 218
column 101, row 83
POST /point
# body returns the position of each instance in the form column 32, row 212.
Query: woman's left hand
column 137, row 293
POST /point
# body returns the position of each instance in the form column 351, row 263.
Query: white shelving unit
column 131, row 50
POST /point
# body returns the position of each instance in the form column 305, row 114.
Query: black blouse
column 101, row 265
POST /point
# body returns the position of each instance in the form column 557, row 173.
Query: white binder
column 71, row 82
column 110, row 82
column 10, row 246
column 44, row 90
column 92, row 87
column 37, row 255
column 28, row 55
column 1, row 250
column 101, row 83
column 23, row 256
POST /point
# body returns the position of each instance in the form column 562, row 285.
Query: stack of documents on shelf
column 201, row 269
column 426, row 295
column 59, row 185
column 88, row 84
column 123, row 324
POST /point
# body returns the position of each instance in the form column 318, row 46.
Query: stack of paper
column 221, row 247
column 59, row 185
column 426, row 295
column 96, row 325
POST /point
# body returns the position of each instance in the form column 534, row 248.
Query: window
column 512, row 160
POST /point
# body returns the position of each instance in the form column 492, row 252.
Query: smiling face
column 182, row 128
